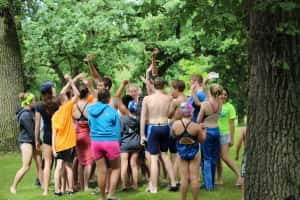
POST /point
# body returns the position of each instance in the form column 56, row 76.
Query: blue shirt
column 201, row 97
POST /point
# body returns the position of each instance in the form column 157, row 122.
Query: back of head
column 104, row 96
column 178, row 85
column 198, row 78
column 26, row 99
column 159, row 83
column 46, row 88
column 107, row 82
column 215, row 90
column 83, row 92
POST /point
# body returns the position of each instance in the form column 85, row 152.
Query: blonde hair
column 215, row 90
column 26, row 98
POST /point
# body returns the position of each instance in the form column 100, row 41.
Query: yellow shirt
column 62, row 123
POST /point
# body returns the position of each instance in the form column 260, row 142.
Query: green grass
column 10, row 163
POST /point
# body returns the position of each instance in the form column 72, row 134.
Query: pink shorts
column 107, row 149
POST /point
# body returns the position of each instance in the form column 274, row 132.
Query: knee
column 25, row 168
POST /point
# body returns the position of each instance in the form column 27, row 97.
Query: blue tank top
column 187, row 145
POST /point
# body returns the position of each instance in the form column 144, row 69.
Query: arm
column 93, row 70
column 37, row 130
column 172, row 109
column 89, row 85
column 143, row 120
column 76, row 78
column 201, row 114
column 201, row 133
column 154, row 69
column 232, row 130
column 120, row 90
column 74, row 88
column 53, row 142
column 149, row 86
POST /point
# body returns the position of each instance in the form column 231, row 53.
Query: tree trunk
column 273, row 139
column 11, row 79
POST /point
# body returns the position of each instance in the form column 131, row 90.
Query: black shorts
column 66, row 155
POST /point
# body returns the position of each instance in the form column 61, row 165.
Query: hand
column 54, row 153
column 155, row 51
column 194, row 88
column 125, row 82
column 212, row 75
column 81, row 75
column 143, row 141
column 89, row 57
column 67, row 77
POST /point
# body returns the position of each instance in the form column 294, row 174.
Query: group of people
column 86, row 126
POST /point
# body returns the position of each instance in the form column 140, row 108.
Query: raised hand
column 90, row 57
column 67, row 77
column 155, row 51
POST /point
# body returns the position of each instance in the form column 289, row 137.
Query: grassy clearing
column 10, row 162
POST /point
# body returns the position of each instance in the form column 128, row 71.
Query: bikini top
column 82, row 117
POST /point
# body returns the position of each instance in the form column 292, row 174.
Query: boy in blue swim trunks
column 155, row 108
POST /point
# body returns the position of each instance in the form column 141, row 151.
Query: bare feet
column 13, row 190
column 219, row 182
column 45, row 193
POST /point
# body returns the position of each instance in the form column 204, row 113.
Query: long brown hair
column 48, row 103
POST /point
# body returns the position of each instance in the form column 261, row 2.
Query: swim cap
column 132, row 106
column 186, row 109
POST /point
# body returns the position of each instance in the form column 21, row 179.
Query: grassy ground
column 10, row 163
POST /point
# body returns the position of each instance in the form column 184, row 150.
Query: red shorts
column 107, row 149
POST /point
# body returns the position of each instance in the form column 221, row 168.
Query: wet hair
column 49, row 103
column 126, row 99
column 215, row 90
column 107, row 82
column 159, row 83
column 103, row 96
column 83, row 92
column 178, row 85
column 198, row 78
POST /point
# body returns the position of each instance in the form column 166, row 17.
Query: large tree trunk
column 273, row 137
column 11, row 79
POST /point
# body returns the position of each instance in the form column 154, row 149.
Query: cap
column 46, row 86
column 186, row 109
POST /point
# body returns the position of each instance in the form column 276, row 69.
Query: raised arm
column 154, row 68
column 93, row 70
column 201, row 115
column 75, row 79
column 120, row 90
column 74, row 88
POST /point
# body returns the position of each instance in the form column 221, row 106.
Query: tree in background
column 273, row 139
column 11, row 77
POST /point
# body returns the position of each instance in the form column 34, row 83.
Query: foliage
column 57, row 35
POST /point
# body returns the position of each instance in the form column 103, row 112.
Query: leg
column 194, row 174
column 124, row 167
column 219, row 180
column 153, row 173
column 169, row 167
column 86, row 174
column 114, row 176
column 184, row 178
column 229, row 162
column 80, row 176
column 69, row 172
column 37, row 155
column 134, row 169
column 58, row 175
column 47, row 154
column 102, row 173
column 174, row 160
column 27, row 151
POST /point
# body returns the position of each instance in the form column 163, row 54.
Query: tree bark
column 11, row 79
column 273, row 139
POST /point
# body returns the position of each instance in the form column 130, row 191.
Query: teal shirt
column 228, row 112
